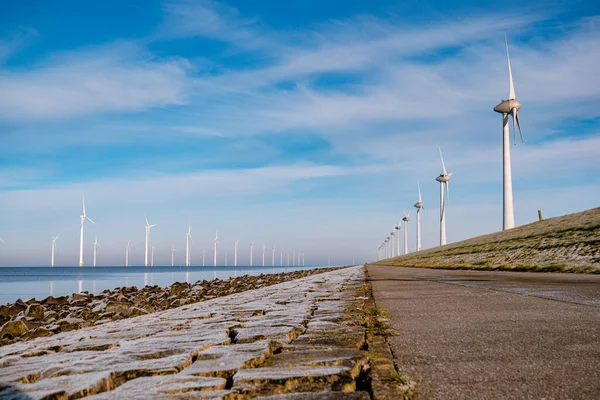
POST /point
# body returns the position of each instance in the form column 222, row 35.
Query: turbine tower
column 263, row 258
column 83, row 218
column 95, row 247
column 127, row 254
column 392, row 240
column 235, row 254
column 444, row 180
column 406, row 219
column 419, row 206
column 508, row 107
column 148, row 226
column 188, row 236
column 53, row 248
column 216, row 240
column 152, row 258
column 397, row 227
column 173, row 256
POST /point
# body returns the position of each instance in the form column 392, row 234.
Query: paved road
column 491, row 335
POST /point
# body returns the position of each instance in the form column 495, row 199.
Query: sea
column 40, row 282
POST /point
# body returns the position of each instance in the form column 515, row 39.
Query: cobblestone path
column 287, row 341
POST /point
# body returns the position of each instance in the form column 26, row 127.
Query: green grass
column 569, row 243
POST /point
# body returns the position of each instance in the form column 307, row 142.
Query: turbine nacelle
column 444, row 178
column 419, row 204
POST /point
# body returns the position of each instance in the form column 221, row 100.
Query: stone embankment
column 570, row 243
column 302, row 339
column 29, row 319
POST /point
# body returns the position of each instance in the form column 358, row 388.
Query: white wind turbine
column 83, row 218
column 406, row 219
column 188, row 237
column 397, row 228
column 216, row 240
column 392, row 241
column 281, row 258
column 419, row 206
column 235, row 248
column 96, row 245
column 127, row 253
column 148, row 227
column 444, row 180
column 173, row 250
column 53, row 247
column 263, row 256
column 508, row 107
column 152, row 258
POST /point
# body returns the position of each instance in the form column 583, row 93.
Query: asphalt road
column 494, row 335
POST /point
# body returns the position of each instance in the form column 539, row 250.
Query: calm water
column 40, row 282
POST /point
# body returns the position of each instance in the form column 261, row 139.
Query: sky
column 300, row 124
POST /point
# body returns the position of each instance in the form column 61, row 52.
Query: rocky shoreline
column 24, row 320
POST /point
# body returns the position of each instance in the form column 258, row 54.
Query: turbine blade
column 519, row 125
column 83, row 197
column 153, row 225
column 89, row 219
column 419, row 186
column 442, row 157
column 511, row 94
column 512, row 113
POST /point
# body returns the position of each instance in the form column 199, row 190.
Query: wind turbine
column 127, row 254
column 251, row 249
column 235, row 254
column 95, row 246
column 392, row 241
column 53, row 247
column 406, row 219
column 173, row 256
column 216, row 240
column 397, row 228
column 83, row 218
column 444, row 180
column 281, row 258
column 419, row 206
column 148, row 226
column 263, row 257
column 152, row 259
column 508, row 107
column 188, row 236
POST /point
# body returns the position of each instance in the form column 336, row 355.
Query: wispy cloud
column 116, row 77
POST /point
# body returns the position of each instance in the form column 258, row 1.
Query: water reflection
column 40, row 282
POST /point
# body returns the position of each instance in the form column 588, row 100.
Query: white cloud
column 118, row 77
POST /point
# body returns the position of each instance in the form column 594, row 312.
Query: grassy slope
column 570, row 243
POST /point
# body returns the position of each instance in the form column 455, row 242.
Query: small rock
column 14, row 328
column 35, row 311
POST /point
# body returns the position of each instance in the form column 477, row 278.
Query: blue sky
column 297, row 124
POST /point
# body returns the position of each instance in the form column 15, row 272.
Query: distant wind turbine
column 188, row 237
column 127, row 254
column 83, row 218
column 216, row 240
column 235, row 254
column 281, row 258
column 392, row 241
column 148, row 227
column 406, row 219
column 96, row 245
column 152, row 258
column 444, row 180
column 397, row 228
column 53, row 247
column 173, row 250
column 508, row 107
column 263, row 254
column 419, row 206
